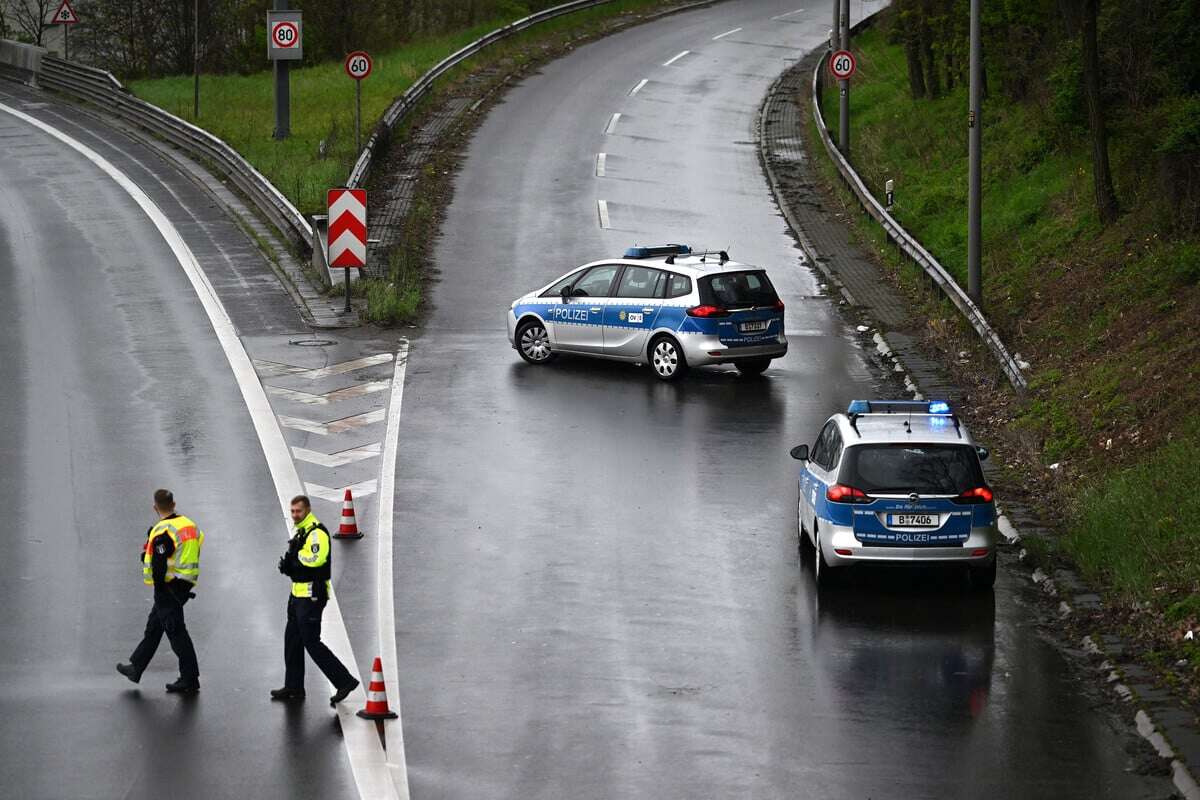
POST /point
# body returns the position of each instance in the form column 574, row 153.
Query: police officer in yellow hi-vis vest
column 171, row 564
column 307, row 563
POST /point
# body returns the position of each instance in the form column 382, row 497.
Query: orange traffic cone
column 377, row 707
column 349, row 527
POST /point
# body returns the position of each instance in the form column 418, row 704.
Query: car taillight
column 778, row 305
column 840, row 493
column 980, row 494
column 707, row 311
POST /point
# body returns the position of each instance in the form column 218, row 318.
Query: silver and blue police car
column 666, row 306
column 895, row 481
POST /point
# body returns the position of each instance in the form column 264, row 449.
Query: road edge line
column 367, row 762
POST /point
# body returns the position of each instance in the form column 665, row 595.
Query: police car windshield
column 737, row 289
column 906, row 468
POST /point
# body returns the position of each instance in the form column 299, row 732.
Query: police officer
column 171, row 564
column 307, row 563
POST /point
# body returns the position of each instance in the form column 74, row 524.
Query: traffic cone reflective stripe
column 377, row 705
column 349, row 527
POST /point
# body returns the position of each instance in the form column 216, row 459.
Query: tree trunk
column 908, row 22
column 1106, row 198
column 933, row 83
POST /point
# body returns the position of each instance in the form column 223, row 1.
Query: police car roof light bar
column 655, row 251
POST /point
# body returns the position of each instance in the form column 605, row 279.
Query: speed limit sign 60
column 358, row 65
column 842, row 64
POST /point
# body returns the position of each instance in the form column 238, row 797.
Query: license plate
column 754, row 327
column 912, row 520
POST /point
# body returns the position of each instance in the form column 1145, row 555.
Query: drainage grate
column 311, row 342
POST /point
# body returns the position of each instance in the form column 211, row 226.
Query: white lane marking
column 273, row 369
column 367, row 761
column 726, row 33
column 385, row 601
column 349, row 393
column 335, row 494
column 675, row 58
column 788, row 14
column 346, row 366
column 336, row 426
column 612, row 123
column 638, row 88
column 601, row 163
column 338, row 459
column 602, row 207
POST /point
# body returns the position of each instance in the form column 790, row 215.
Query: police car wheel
column 753, row 366
column 533, row 343
column 666, row 358
column 983, row 578
column 806, row 547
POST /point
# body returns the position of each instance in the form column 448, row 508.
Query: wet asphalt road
column 113, row 385
column 597, row 587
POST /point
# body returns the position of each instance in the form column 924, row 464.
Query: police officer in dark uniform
column 307, row 563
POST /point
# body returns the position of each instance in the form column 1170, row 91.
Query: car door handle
column 597, row 309
column 648, row 310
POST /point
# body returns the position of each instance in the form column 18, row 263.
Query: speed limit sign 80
column 842, row 64
column 358, row 65
column 285, row 36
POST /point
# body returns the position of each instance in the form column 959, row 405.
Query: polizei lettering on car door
column 568, row 314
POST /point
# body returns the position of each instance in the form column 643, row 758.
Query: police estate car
column 896, row 481
column 666, row 306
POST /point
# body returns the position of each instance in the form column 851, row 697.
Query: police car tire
column 983, row 578
column 668, row 345
column 806, row 546
column 522, row 330
column 753, row 366
column 826, row 577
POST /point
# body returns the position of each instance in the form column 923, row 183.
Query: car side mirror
column 566, row 293
column 800, row 452
column 983, row 453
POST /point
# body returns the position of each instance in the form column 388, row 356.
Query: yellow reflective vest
column 184, row 563
column 312, row 554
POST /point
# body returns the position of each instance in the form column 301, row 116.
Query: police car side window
column 556, row 289
column 639, row 282
column 835, row 450
column 823, row 451
column 679, row 285
column 597, row 282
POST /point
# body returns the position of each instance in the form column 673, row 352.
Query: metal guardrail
column 408, row 101
column 910, row 246
column 101, row 88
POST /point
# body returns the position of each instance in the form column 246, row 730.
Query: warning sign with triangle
column 65, row 15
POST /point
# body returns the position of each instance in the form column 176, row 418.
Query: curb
column 1129, row 681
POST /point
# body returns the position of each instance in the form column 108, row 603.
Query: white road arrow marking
column 339, row 459
column 349, row 393
column 334, row 495
column 337, row 426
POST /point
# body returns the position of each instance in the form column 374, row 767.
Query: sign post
column 358, row 66
column 347, row 238
column 66, row 17
column 285, row 42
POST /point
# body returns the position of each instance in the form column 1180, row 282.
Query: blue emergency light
column 657, row 251
column 935, row 407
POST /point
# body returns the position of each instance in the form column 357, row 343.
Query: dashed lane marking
column 349, row 393
column 601, row 164
column 602, row 207
column 337, row 426
column 339, row 459
column 788, row 14
column 337, row 494
column 612, row 123
column 368, row 762
column 675, row 58
column 726, row 33
column 638, row 88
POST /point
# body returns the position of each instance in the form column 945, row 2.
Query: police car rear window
column 737, row 289
column 907, row 468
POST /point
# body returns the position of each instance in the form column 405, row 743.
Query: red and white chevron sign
column 347, row 228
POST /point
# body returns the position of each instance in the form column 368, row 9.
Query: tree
column 1082, row 17
column 908, row 22
column 30, row 17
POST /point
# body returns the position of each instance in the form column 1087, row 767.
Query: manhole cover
column 311, row 342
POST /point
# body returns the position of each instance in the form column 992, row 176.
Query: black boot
column 181, row 686
column 129, row 672
column 343, row 692
column 287, row 694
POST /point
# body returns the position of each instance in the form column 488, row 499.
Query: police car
column 896, row 481
column 666, row 306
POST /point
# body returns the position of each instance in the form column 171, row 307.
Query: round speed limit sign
column 358, row 65
column 842, row 64
column 285, row 35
